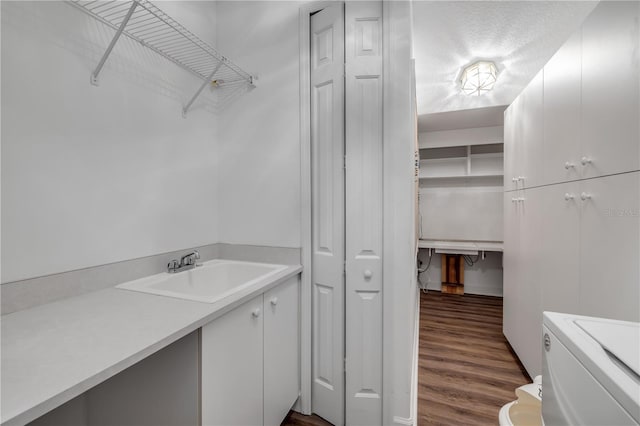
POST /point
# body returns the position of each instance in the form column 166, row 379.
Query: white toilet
column 527, row 409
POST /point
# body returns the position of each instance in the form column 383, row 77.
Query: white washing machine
column 590, row 371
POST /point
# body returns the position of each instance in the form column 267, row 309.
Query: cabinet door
column 232, row 367
column 560, row 259
column 561, row 141
column 510, row 262
column 528, row 276
column 531, row 117
column 610, row 247
column 509, row 153
column 611, row 89
column 281, row 351
column 513, row 137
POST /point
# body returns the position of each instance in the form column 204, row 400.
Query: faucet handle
column 173, row 265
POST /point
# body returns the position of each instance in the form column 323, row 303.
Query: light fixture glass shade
column 478, row 78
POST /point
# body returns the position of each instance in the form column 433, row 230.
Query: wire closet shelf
column 145, row 23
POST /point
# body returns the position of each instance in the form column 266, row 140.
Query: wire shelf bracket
column 142, row 21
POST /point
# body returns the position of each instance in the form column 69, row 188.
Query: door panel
column 531, row 116
column 609, row 247
column 611, row 89
column 364, row 213
column 560, row 235
column 232, row 376
column 561, row 144
column 510, row 261
column 327, row 158
column 281, row 351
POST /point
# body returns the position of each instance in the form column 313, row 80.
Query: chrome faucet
column 188, row 261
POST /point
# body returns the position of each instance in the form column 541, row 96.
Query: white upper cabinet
column 611, row 90
column 561, row 142
column 513, row 145
column 531, row 146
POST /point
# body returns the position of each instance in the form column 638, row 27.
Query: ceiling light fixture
column 478, row 78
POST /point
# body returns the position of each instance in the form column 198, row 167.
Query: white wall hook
column 585, row 196
column 568, row 196
column 569, row 165
column 585, row 160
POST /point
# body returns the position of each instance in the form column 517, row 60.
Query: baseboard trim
column 402, row 421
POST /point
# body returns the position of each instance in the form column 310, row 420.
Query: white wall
column 259, row 133
column 92, row 175
column 484, row 277
column 400, row 290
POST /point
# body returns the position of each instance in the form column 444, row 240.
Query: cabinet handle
column 521, row 199
column 256, row 313
column 568, row 196
column 368, row 274
column 569, row 165
column 584, row 196
column 515, row 179
column 521, row 178
column 513, row 200
column 274, row 301
column 585, row 160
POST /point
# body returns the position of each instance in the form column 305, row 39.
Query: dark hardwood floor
column 297, row 419
column 467, row 370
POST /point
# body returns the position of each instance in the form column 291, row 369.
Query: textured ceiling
column 519, row 36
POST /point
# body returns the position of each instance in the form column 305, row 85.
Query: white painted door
column 232, row 367
column 281, row 351
column 328, row 227
column 363, row 44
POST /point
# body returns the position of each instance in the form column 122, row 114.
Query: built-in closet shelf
column 145, row 23
column 461, row 137
column 461, row 247
column 433, row 178
column 461, row 162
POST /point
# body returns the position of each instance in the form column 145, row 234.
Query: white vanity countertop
column 55, row 352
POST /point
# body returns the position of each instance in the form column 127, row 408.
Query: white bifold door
column 346, row 162
column 327, row 210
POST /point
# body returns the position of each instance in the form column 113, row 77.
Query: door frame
column 306, row 330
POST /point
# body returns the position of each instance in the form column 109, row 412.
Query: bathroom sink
column 213, row 281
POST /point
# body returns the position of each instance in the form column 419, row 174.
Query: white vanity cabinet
column 281, row 351
column 231, row 356
column 250, row 360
